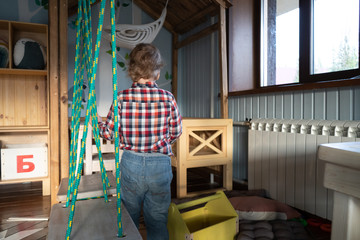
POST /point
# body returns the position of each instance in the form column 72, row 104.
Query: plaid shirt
column 149, row 120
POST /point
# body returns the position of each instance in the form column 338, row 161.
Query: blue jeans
column 146, row 179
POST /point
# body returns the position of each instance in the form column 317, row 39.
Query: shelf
column 23, row 71
column 38, row 179
column 24, row 96
column 24, row 129
column 23, row 101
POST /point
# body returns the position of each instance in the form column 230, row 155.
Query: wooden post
column 63, row 73
column 174, row 65
column 223, row 64
column 54, row 98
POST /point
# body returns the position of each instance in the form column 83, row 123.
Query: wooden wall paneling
column 300, row 166
column 22, row 100
column 290, row 169
column 282, row 167
column 40, row 89
column 273, row 168
column 310, row 176
column 63, row 73
column 223, row 64
column 32, row 104
column 265, row 164
column 9, row 106
column 31, row 138
column 54, row 98
column 43, row 101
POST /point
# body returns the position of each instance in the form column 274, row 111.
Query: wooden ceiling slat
column 223, row 3
column 199, row 35
column 181, row 27
column 149, row 10
column 177, row 13
column 182, row 15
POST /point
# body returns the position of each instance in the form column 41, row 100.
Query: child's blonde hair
column 145, row 62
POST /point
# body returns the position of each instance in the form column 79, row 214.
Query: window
column 336, row 35
column 308, row 41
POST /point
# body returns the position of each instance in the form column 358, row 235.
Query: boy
column 149, row 122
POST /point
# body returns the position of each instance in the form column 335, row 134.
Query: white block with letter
column 21, row 161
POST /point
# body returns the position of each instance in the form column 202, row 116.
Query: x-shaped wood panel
column 205, row 142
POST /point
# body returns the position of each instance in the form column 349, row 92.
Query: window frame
column 307, row 81
column 305, row 76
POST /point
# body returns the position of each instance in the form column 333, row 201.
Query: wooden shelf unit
column 24, row 96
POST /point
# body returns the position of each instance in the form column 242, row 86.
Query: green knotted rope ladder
column 85, row 59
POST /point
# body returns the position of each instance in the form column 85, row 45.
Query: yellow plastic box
column 216, row 220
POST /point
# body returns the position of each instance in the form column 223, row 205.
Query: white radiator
column 283, row 160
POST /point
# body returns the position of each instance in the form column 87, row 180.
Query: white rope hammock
column 129, row 35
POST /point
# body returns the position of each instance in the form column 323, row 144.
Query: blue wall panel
column 323, row 104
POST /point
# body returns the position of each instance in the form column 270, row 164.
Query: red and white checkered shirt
column 149, row 119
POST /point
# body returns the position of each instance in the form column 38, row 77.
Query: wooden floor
column 25, row 201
